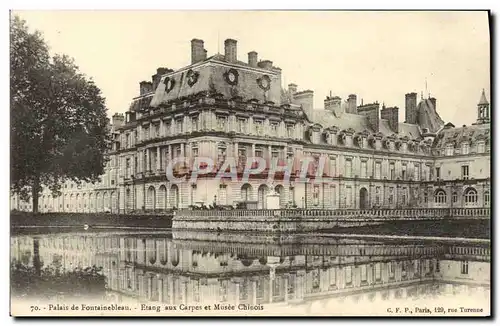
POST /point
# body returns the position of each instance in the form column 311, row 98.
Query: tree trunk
column 34, row 195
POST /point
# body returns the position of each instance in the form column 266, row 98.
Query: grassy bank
column 78, row 220
column 479, row 229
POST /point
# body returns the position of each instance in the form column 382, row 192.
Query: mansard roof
column 456, row 136
column 360, row 123
column 428, row 117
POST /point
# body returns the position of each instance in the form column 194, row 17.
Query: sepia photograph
column 250, row 163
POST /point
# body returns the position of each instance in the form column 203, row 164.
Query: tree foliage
column 59, row 125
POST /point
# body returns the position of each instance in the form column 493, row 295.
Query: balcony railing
column 311, row 214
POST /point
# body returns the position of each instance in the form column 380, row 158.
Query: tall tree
column 59, row 125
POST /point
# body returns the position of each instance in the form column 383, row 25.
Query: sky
column 380, row 56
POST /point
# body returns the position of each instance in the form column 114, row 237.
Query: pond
column 183, row 273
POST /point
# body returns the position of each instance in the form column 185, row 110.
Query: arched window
column 486, row 198
column 440, row 196
column 426, row 197
column 470, row 196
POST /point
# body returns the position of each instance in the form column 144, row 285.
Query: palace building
column 220, row 107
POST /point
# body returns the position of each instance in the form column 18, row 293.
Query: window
column 403, row 172
column 333, row 195
column 348, row 197
column 221, row 123
column 168, row 127
column 391, row 195
column 274, row 128
column 470, row 196
column 426, row 197
column 416, row 172
column 316, row 195
column 127, row 168
column 465, row 148
column 157, row 131
column 363, row 273
column 348, row 168
column 464, row 268
column 440, row 196
column 486, row 198
column 258, row 127
column 289, row 131
column 194, row 123
column 348, row 275
column 333, row 166
column 378, row 170
column 455, row 197
column 438, row 173
column 448, row 151
column 259, row 152
column 481, row 147
column 194, row 150
column 378, row 273
column 179, row 124
column 364, row 169
column 377, row 196
column 392, row 171
column 221, row 153
column 242, row 125
column 465, row 172
column 438, row 267
column 392, row 269
column 404, row 196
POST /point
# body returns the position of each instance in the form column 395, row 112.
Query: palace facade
column 222, row 108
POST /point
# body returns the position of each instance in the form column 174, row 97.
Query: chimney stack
column 371, row 111
column 156, row 77
column 198, row 53
column 145, row 87
column 118, row 120
column 306, row 100
column 411, row 108
column 252, row 59
column 352, row 104
column 230, row 50
column 392, row 116
column 333, row 104
column 266, row 64
column 292, row 89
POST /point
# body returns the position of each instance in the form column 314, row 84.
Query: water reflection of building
column 162, row 269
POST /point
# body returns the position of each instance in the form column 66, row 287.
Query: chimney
column 305, row 99
column 157, row 77
column 392, row 116
column 411, row 108
column 371, row 111
column 198, row 53
column 252, row 59
column 145, row 87
column 265, row 64
column 292, row 89
column 352, row 104
column 230, row 50
column 333, row 103
column 118, row 120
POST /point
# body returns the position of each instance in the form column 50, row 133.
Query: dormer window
column 481, row 147
column 465, row 148
column 448, row 151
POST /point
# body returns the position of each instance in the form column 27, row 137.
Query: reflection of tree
column 53, row 281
